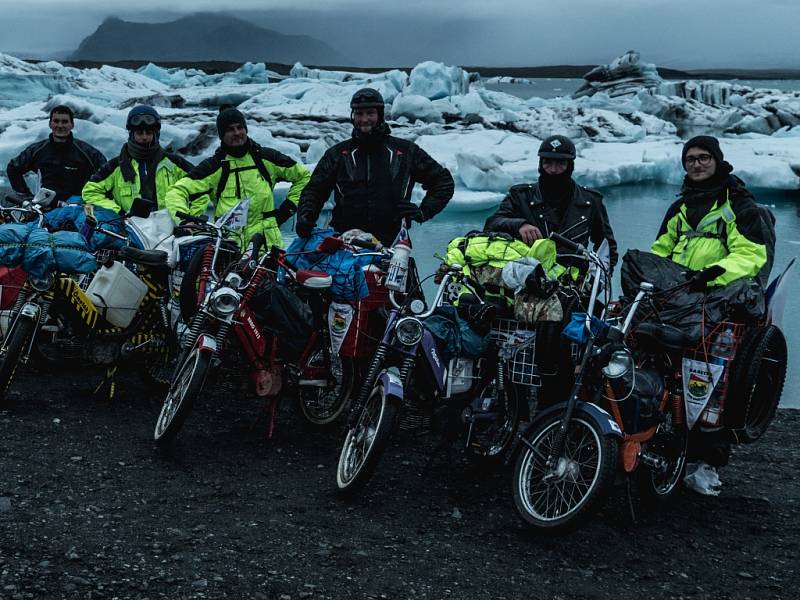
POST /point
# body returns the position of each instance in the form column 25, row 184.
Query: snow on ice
column 628, row 123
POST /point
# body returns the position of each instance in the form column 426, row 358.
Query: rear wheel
column 187, row 385
column 11, row 351
column 325, row 387
column 558, row 499
column 365, row 442
column 756, row 386
column 670, row 446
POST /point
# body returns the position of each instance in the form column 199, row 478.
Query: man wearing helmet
column 63, row 162
column 239, row 179
column 555, row 203
column 137, row 180
column 372, row 175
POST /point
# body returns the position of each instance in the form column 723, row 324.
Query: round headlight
column 618, row 365
column 409, row 331
column 224, row 301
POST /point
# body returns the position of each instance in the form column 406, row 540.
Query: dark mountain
column 200, row 37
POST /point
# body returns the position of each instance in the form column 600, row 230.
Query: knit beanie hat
column 228, row 116
column 706, row 142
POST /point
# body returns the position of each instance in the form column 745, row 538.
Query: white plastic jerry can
column 117, row 292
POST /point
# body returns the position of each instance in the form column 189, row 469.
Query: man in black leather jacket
column 65, row 163
column 372, row 176
column 555, row 203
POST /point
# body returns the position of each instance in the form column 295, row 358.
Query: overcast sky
column 674, row 33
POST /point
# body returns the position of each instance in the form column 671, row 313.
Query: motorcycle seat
column 665, row 336
column 314, row 280
column 152, row 258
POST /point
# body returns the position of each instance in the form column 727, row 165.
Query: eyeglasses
column 701, row 159
column 139, row 120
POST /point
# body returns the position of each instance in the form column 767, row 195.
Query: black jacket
column 65, row 166
column 370, row 179
column 584, row 219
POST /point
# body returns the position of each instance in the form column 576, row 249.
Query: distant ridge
column 202, row 37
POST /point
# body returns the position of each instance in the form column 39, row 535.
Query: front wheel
column 559, row 498
column 365, row 442
column 325, row 387
column 11, row 353
column 188, row 383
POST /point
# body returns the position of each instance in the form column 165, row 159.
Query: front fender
column 606, row 422
column 30, row 311
column 206, row 344
column 392, row 386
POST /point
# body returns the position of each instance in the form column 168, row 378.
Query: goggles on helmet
column 142, row 120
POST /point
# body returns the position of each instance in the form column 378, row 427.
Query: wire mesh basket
column 517, row 346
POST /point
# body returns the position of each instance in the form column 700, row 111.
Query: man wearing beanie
column 372, row 176
column 137, row 180
column 555, row 203
column 241, row 173
column 714, row 228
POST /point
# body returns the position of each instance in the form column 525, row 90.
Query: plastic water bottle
column 398, row 267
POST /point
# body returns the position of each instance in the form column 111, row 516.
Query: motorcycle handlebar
column 202, row 219
column 567, row 243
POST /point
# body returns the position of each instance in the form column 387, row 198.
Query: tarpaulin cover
column 453, row 335
column 343, row 266
column 40, row 252
column 695, row 313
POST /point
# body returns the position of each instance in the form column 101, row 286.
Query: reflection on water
column 636, row 213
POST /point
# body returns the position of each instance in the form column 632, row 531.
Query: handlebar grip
column 364, row 244
column 567, row 243
column 15, row 199
column 191, row 218
column 258, row 241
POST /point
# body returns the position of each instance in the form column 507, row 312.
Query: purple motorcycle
column 409, row 383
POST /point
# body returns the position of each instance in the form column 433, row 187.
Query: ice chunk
column 434, row 80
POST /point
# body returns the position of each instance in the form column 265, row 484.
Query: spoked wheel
column 365, row 442
column 188, row 383
column 558, row 499
column 757, row 384
column 669, row 446
column 11, row 352
column 493, row 436
column 325, row 387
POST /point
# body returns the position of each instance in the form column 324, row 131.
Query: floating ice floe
column 628, row 126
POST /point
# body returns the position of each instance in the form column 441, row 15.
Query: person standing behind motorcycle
column 555, row 203
column 714, row 228
column 138, row 179
column 64, row 163
column 241, row 173
column 372, row 175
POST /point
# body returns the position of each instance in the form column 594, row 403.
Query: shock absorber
column 369, row 380
column 676, row 400
column 205, row 271
column 195, row 327
column 222, row 333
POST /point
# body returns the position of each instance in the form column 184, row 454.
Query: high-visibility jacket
column 118, row 183
column 226, row 180
column 729, row 235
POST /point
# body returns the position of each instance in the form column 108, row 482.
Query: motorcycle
column 409, row 383
column 230, row 299
column 641, row 387
column 55, row 319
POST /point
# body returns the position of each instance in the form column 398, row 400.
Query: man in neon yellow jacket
column 142, row 171
column 241, row 174
column 714, row 228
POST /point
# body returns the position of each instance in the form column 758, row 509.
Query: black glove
column 304, row 228
column 409, row 210
column 141, row 207
column 698, row 280
column 285, row 212
column 538, row 284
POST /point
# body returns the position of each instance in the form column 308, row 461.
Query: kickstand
column 110, row 380
column 270, row 406
column 630, row 502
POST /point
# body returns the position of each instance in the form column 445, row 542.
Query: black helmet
column 557, row 146
column 367, row 98
column 143, row 117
